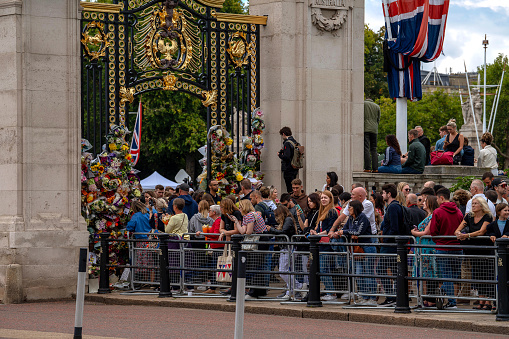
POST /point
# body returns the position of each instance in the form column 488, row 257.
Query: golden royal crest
column 239, row 50
column 94, row 40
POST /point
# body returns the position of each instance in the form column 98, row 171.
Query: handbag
column 441, row 158
column 251, row 240
column 224, row 262
column 357, row 249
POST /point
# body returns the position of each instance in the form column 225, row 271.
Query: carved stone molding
column 334, row 23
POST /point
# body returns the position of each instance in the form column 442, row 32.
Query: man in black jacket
column 416, row 214
column 286, row 155
column 425, row 142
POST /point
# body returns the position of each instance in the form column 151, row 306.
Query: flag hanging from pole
column 136, row 140
column 415, row 31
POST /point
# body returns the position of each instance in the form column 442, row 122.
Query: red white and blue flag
column 136, row 140
column 415, row 31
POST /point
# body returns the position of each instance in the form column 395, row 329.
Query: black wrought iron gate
column 135, row 46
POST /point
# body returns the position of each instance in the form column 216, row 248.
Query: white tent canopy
column 150, row 182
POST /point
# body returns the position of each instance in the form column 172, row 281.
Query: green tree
column 501, row 126
column 234, row 6
column 433, row 111
column 174, row 127
column 375, row 79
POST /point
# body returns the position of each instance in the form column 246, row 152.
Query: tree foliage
column 174, row 126
column 433, row 111
column 234, row 6
column 375, row 79
column 501, row 126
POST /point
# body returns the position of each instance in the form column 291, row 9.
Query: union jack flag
column 136, row 140
column 415, row 31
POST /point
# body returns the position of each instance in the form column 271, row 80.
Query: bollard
column 401, row 281
column 241, row 285
column 503, row 277
column 104, row 278
column 236, row 239
column 164, row 273
column 314, row 268
column 80, row 293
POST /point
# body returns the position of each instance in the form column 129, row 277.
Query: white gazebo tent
column 150, row 182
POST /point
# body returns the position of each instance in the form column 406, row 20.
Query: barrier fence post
column 402, row 305
column 104, row 278
column 80, row 293
column 314, row 268
column 164, row 273
column 236, row 239
column 503, row 277
column 241, row 285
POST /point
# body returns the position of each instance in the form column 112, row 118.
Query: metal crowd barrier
column 402, row 273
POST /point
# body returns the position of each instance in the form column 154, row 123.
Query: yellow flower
column 113, row 147
column 229, row 141
column 249, row 146
column 128, row 157
column 239, row 176
column 124, row 148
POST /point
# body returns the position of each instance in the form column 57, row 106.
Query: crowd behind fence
column 408, row 269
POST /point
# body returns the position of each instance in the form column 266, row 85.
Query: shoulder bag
column 224, row 262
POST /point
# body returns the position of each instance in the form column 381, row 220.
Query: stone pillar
column 312, row 80
column 41, row 228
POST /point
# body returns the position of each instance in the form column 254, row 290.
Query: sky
column 467, row 23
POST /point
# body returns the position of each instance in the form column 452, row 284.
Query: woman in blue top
column 392, row 158
column 356, row 225
column 327, row 214
column 140, row 221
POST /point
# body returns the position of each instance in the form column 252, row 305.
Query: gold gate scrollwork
column 239, row 50
column 94, row 44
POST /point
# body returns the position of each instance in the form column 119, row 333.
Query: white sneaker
column 361, row 302
column 248, row 297
column 370, row 302
column 328, row 297
column 202, row 288
column 345, row 296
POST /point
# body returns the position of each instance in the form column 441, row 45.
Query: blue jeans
column 326, row 262
column 388, row 262
column 449, row 268
column 390, row 169
column 366, row 266
column 409, row 170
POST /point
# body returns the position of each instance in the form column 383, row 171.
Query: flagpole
column 472, row 105
column 498, row 100
column 485, row 43
column 401, row 123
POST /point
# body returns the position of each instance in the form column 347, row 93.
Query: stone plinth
column 41, row 228
column 441, row 175
column 312, row 81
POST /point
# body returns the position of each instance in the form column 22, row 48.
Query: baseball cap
column 184, row 187
column 498, row 181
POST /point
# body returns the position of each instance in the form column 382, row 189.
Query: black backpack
column 268, row 213
column 406, row 228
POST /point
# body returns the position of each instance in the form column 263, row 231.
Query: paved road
column 56, row 320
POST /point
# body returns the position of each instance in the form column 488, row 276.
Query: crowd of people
column 452, row 145
column 337, row 215
column 451, row 149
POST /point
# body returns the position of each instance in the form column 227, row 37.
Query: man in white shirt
column 359, row 194
column 500, row 187
column 477, row 189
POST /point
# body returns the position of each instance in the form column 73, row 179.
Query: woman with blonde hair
column 488, row 154
column 327, row 214
column 403, row 190
column 252, row 223
column 453, row 141
column 474, row 225
column 286, row 225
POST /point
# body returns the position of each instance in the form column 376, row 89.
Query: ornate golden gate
column 135, row 46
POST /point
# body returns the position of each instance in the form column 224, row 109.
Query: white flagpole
column 472, row 105
column 498, row 100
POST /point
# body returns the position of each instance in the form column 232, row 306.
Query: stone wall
column 41, row 228
column 441, row 175
column 312, row 80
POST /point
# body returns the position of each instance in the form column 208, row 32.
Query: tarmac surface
column 195, row 319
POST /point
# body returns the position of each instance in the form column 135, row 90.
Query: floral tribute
column 228, row 168
column 107, row 189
